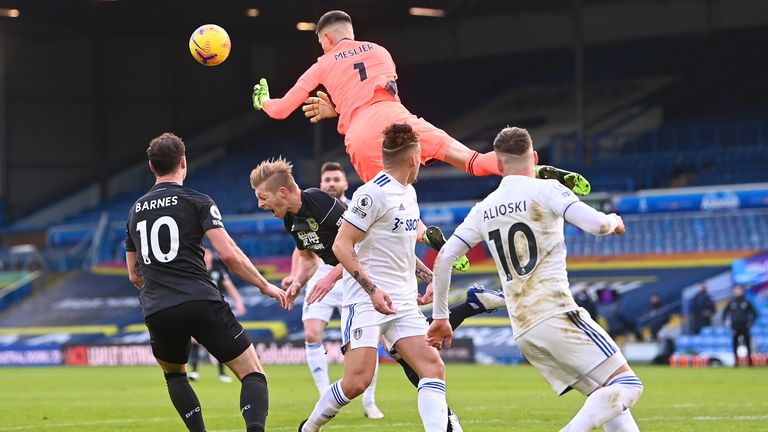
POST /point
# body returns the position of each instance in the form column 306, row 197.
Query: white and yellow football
column 210, row 45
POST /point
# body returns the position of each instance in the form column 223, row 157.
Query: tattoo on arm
column 423, row 272
column 367, row 284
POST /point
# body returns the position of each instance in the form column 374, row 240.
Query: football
column 210, row 45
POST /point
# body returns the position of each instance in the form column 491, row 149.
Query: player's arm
column 325, row 285
column 425, row 275
column 288, row 280
column 280, row 108
column 306, row 265
column 423, row 272
column 344, row 249
column 133, row 269
column 240, row 265
column 564, row 203
column 466, row 235
column 440, row 329
column 452, row 249
column 234, row 294
column 130, row 259
column 592, row 221
column 319, row 107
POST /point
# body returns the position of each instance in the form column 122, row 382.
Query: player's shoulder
column 316, row 193
column 375, row 46
column 548, row 184
column 367, row 195
column 318, row 200
column 373, row 188
column 551, row 189
column 194, row 196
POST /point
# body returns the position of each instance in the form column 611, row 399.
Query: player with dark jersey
column 313, row 218
column 312, row 234
column 223, row 282
column 164, row 255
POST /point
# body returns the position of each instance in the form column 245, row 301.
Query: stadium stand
column 698, row 154
column 104, row 308
column 631, row 147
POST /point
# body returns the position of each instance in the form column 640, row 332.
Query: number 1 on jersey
column 360, row 68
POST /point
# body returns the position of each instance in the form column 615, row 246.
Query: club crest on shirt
column 312, row 224
column 358, row 333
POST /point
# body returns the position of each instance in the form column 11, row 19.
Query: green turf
column 488, row 398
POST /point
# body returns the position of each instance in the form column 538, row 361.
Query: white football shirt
column 522, row 224
column 388, row 213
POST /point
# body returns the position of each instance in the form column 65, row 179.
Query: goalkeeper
column 361, row 79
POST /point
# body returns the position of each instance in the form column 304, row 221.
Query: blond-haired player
column 312, row 217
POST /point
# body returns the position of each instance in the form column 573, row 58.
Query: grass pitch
column 487, row 398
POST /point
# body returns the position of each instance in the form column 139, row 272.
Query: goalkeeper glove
column 260, row 94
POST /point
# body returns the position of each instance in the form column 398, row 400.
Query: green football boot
column 573, row 181
column 434, row 238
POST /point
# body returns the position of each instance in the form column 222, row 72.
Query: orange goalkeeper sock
column 482, row 164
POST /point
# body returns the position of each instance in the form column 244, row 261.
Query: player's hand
column 620, row 225
column 321, row 289
column 427, row 297
column 319, row 108
column 277, row 294
column 382, row 302
column 439, row 332
column 292, row 292
column 260, row 94
column 286, row 282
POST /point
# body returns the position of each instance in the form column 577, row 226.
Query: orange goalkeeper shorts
column 364, row 136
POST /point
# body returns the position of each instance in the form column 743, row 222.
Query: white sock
column 318, row 365
column 433, row 408
column 623, row 422
column 369, row 395
column 607, row 402
column 326, row 408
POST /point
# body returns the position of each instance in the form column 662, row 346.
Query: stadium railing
column 19, row 289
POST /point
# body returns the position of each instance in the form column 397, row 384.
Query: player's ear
column 327, row 37
column 499, row 163
column 183, row 162
column 151, row 168
column 535, row 157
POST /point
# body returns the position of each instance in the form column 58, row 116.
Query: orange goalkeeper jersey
column 354, row 73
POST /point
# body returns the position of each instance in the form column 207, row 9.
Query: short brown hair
column 278, row 172
column 399, row 138
column 332, row 17
column 165, row 153
column 331, row 166
column 513, row 140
